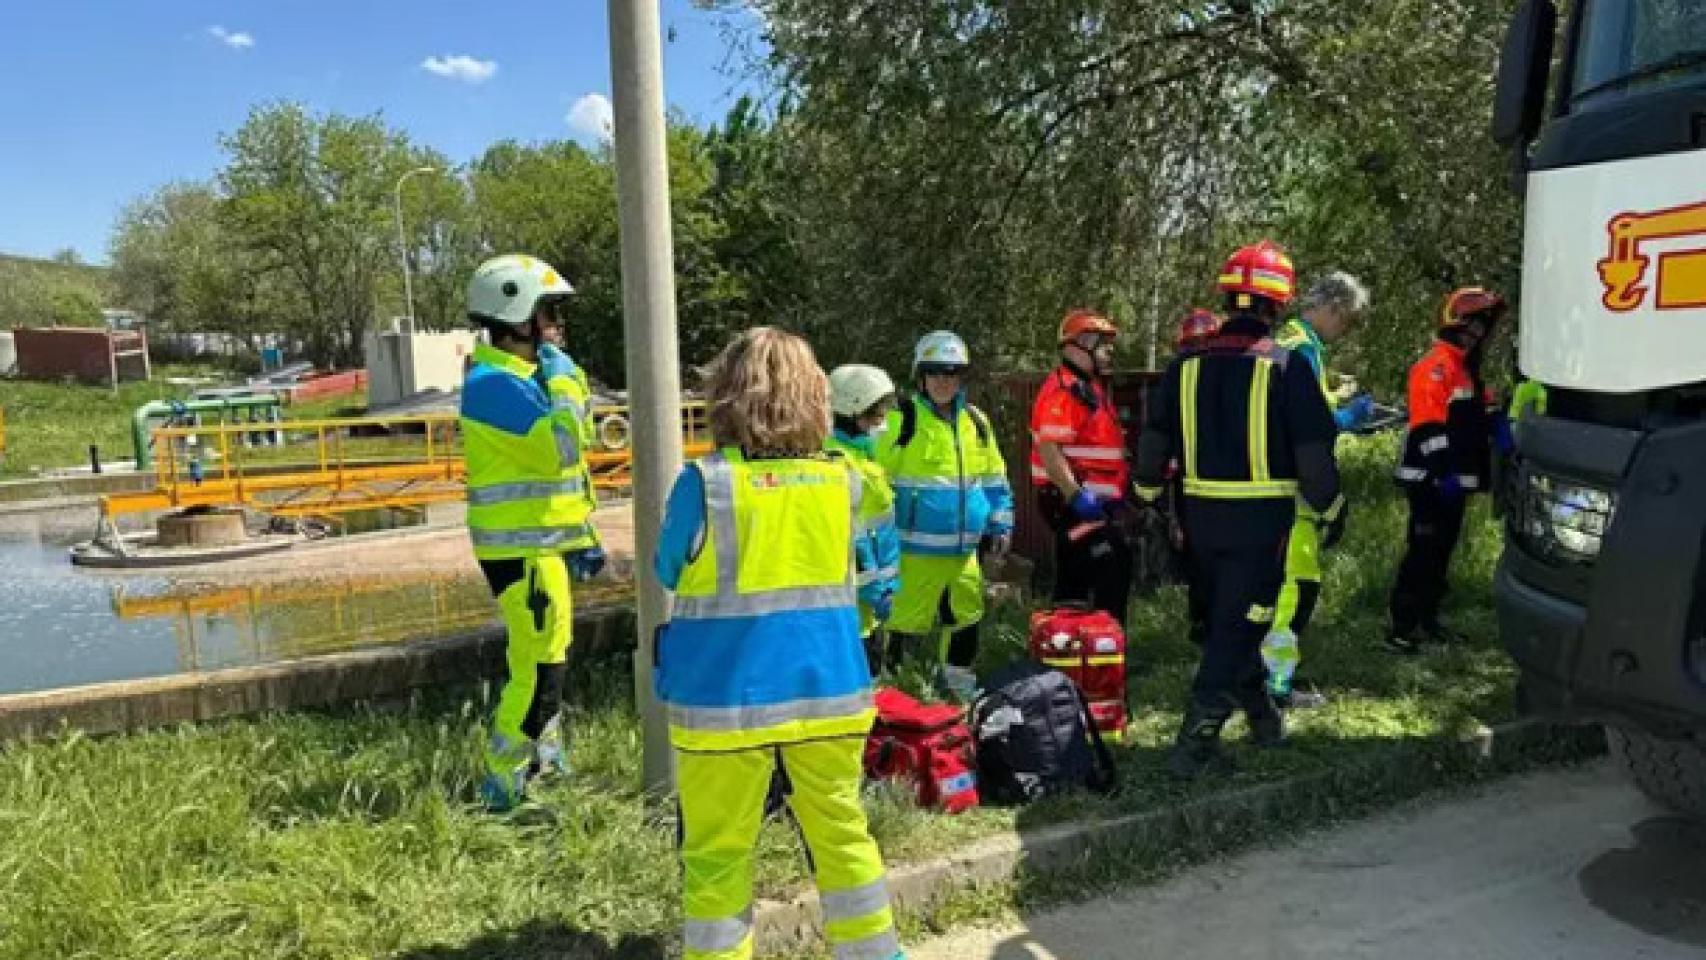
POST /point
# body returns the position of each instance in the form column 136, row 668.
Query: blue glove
column 1451, row 488
column 1503, row 439
column 1087, row 506
column 1357, row 411
column 554, row 363
column 586, row 564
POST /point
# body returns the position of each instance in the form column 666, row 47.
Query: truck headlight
column 1566, row 517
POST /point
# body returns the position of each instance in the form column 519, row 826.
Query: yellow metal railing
column 305, row 468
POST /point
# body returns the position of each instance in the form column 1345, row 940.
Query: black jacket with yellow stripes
column 1243, row 421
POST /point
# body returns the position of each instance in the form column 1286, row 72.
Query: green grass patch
column 353, row 833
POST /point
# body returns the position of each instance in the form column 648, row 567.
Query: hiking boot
column 1267, row 723
column 1407, row 642
column 1439, row 633
column 1197, row 747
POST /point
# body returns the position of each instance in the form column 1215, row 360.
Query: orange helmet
column 1260, row 270
column 1080, row 322
column 1466, row 302
column 1197, row 326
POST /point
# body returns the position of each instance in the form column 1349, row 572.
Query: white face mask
column 881, row 428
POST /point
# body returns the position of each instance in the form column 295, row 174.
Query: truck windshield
column 1634, row 46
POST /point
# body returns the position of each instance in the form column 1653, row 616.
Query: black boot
column 1198, row 744
column 1267, row 721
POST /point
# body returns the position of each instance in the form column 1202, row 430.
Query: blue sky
column 104, row 100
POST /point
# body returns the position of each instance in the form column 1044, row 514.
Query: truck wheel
column 1670, row 772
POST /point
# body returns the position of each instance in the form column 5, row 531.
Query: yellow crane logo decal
column 1681, row 274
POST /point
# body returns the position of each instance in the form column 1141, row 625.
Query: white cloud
column 460, row 67
column 592, row 116
column 235, row 39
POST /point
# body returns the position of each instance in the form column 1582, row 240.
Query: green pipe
column 141, row 421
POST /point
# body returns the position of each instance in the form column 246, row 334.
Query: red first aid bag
column 1088, row 646
column 928, row 744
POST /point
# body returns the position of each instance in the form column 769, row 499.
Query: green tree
column 310, row 199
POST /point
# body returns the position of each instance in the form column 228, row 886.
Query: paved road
column 1570, row 865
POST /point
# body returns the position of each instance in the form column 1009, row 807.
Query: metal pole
column 403, row 242
column 648, row 308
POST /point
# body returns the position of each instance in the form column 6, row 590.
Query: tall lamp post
column 402, row 240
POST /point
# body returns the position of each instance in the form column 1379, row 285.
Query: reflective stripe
column 1410, row 473
column 869, row 577
column 720, row 509
column 1149, row 494
column 991, row 479
column 717, row 936
column 568, row 448
column 725, row 605
column 933, row 483
column 1103, row 489
column 531, row 537
column 1257, row 428
column 510, row 492
column 857, row 902
column 559, row 404
column 883, row 946
column 1240, row 489
column 929, row 539
column 1094, row 453
column 759, row 716
column 1469, row 481
column 1038, row 472
column 1188, row 411
column 1462, row 393
column 1434, row 445
column 1001, row 516
column 1105, row 660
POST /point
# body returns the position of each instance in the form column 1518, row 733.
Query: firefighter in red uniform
column 1078, row 465
column 1447, row 457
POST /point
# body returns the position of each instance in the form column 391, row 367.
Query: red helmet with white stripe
column 1259, row 270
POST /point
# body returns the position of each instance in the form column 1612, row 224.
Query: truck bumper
column 1625, row 639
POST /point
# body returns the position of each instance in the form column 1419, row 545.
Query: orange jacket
column 1449, row 430
column 1079, row 415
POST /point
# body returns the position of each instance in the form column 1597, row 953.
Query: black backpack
column 1035, row 739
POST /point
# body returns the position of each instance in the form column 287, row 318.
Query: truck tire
column 1670, row 772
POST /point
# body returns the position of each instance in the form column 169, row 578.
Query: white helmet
column 856, row 387
column 509, row 288
column 942, row 349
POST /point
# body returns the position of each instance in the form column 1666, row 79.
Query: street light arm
column 403, row 240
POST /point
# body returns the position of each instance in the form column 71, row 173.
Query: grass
column 353, row 833
column 50, row 426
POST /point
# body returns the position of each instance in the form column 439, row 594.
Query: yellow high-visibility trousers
column 924, row 579
column 722, row 809
column 537, row 606
column 1302, row 585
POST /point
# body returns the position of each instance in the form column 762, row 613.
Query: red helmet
column 1079, row 322
column 1467, row 302
column 1197, row 326
column 1260, row 270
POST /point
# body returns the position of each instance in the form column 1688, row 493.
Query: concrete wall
column 401, row 364
column 380, row 674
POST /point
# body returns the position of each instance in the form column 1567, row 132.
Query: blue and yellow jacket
column 529, row 492
column 1298, row 335
column 763, row 646
column 878, row 544
column 949, row 479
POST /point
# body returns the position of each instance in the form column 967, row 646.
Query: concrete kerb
column 378, row 674
column 784, row 926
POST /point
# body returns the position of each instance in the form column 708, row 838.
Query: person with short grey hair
column 1334, row 302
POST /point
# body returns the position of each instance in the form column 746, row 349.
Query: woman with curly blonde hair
column 761, row 665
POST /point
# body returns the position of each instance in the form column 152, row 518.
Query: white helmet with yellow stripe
column 508, row 289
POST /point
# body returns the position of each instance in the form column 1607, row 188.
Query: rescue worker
column 1334, row 302
column 951, row 501
column 760, row 666
column 1447, row 456
column 1248, row 425
column 530, row 503
column 860, row 397
column 1078, row 466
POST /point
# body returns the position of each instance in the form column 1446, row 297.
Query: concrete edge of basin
column 372, row 674
column 1171, row 831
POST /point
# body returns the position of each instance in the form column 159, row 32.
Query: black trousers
column 1094, row 569
column 1237, row 557
column 1436, row 524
